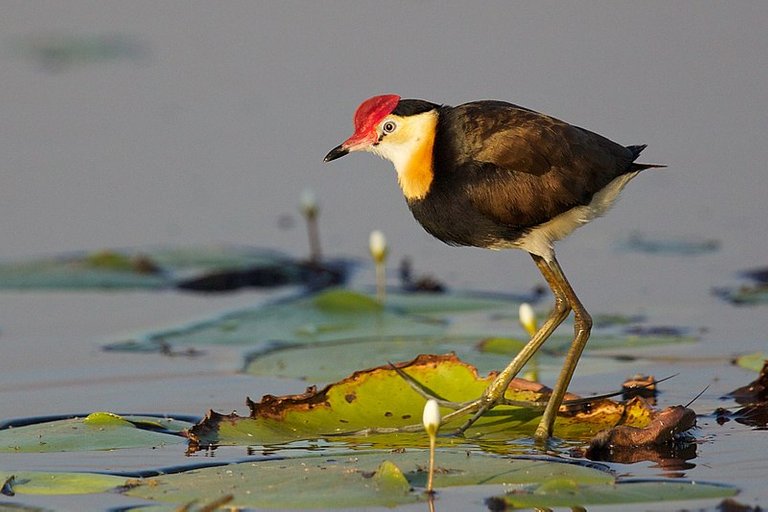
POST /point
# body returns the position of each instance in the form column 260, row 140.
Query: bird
column 496, row 175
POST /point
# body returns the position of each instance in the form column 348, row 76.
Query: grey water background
column 209, row 120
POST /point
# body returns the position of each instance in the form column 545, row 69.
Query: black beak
column 335, row 153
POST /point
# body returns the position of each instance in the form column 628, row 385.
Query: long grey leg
column 559, row 312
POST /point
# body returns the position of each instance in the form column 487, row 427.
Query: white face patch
column 409, row 148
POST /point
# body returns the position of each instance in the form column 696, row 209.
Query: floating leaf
column 619, row 443
column 755, row 391
column 559, row 344
column 151, row 268
column 566, row 493
column 678, row 245
column 758, row 275
column 75, row 272
column 744, row 295
column 51, row 483
column 332, row 315
column 353, row 480
column 57, row 52
column 98, row 431
column 423, row 303
column 381, row 398
column 754, row 361
column 330, row 361
column 498, row 345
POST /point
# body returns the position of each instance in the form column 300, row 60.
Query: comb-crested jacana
column 495, row 175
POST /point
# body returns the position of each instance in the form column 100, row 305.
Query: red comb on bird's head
column 369, row 113
column 367, row 116
column 373, row 110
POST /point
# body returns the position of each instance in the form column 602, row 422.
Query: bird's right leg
column 495, row 391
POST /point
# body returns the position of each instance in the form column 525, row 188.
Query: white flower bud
column 308, row 203
column 431, row 417
column 377, row 244
column 528, row 318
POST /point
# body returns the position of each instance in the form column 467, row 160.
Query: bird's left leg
column 495, row 391
column 582, row 326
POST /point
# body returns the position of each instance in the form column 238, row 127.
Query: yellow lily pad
column 379, row 398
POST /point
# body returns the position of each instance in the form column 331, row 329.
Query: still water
column 137, row 124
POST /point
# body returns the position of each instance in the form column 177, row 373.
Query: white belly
column 540, row 240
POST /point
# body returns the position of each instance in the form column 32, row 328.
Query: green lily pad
column 559, row 344
column 51, row 483
column 381, row 398
column 569, row 493
column 353, row 480
column 680, row 245
column 60, row 52
column 98, row 431
column 332, row 315
column 325, row 362
column 753, row 362
column 75, row 273
column 422, row 303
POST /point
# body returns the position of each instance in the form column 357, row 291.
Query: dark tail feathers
column 636, row 150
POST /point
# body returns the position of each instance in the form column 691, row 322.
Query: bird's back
column 500, row 171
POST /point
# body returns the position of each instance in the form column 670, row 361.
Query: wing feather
column 521, row 168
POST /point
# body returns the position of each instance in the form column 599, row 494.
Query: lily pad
column 149, row 268
column 325, row 362
column 744, row 295
column 353, row 480
column 423, row 303
column 753, row 362
column 97, row 431
column 569, row 493
column 677, row 245
column 380, row 398
column 52, row 483
column 77, row 272
column 332, row 315
column 62, row 51
column 559, row 344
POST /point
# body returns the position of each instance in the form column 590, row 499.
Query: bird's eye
column 389, row 127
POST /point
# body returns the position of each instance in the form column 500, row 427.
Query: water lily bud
column 528, row 318
column 308, row 203
column 377, row 244
column 431, row 417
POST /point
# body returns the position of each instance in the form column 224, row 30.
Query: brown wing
column 522, row 168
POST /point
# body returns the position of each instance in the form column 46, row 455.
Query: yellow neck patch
column 416, row 177
column 410, row 150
